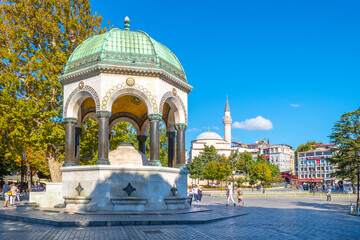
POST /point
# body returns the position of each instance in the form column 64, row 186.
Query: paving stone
column 266, row 218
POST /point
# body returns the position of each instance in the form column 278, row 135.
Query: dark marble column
column 171, row 148
column 180, row 139
column 70, row 142
column 103, row 148
column 142, row 143
column 154, row 139
column 77, row 144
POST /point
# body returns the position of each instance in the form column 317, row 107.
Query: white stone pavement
column 267, row 218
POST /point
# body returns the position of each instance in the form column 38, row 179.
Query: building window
column 301, row 155
column 310, row 154
column 327, row 153
column 318, row 153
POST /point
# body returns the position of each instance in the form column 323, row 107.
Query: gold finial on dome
column 127, row 23
column 209, row 129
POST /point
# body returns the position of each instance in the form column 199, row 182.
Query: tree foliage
column 36, row 38
column 196, row 168
column 242, row 161
column 262, row 172
column 211, row 170
column 209, row 154
column 346, row 136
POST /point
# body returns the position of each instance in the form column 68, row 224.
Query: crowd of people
column 195, row 194
column 12, row 191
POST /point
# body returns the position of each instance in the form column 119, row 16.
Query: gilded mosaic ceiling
column 129, row 104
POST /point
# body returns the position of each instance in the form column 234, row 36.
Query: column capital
column 154, row 117
column 141, row 138
column 103, row 114
column 70, row 120
column 181, row 126
column 171, row 134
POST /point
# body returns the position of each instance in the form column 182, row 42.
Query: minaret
column 227, row 122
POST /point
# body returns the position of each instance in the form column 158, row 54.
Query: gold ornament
column 81, row 85
column 174, row 91
column 130, row 81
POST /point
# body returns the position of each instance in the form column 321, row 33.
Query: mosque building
column 222, row 145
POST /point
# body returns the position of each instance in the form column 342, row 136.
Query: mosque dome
column 125, row 48
column 209, row 136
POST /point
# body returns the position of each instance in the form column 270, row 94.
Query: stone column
column 77, row 144
column 180, row 139
column 154, row 119
column 69, row 142
column 103, row 148
column 171, row 148
column 142, row 143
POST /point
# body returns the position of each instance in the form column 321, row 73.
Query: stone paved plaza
column 266, row 218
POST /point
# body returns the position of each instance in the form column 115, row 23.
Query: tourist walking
column 229, row 194
column 5, row 191
column 14, row 191
column 328, row 194
column 240, row 196
column 190, row 194
column 196, row 193
column 18, row 193
column 200, row 193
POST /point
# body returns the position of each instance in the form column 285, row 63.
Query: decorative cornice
column 154, row 117
column 85, row 88
column 181, row 126
column 69, row 120
column 103, row 114
column 168, row 95
column 227, row 120
column 126, row 70
column 138, row 87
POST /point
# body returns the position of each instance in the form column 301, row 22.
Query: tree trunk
column 22, row 170
column 28, row 176
column 353, row 186
column 54, row 167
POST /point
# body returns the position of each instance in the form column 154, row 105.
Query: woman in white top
column 229, row 194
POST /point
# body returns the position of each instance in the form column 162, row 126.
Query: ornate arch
column 84, row 89
column 114, row 89
column 170, row 94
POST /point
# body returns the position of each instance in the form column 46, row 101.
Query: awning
column 311, row 180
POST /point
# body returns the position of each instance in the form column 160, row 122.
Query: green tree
column 242, row 161
column 89, row 142
column 209, row 154
column 275, row 171
column 196, row 168
column 226, row 166
column 346, row 135
column 211, row 170
column 262, row 172
column 37, row 38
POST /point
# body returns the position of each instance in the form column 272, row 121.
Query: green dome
column 125, row 48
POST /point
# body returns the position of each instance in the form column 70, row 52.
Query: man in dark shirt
column 5, row 189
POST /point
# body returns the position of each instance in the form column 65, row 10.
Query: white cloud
column 258, row 123
column 194, row 130
column 295, row 105
column 216, row 128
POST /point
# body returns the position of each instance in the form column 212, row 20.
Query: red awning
column 311, row 180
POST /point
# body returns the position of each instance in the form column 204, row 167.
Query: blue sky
column 294, row 63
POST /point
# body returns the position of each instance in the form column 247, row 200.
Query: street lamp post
column 358, row 178
column 233, row 173
column 264, row 180
column 312, row 172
